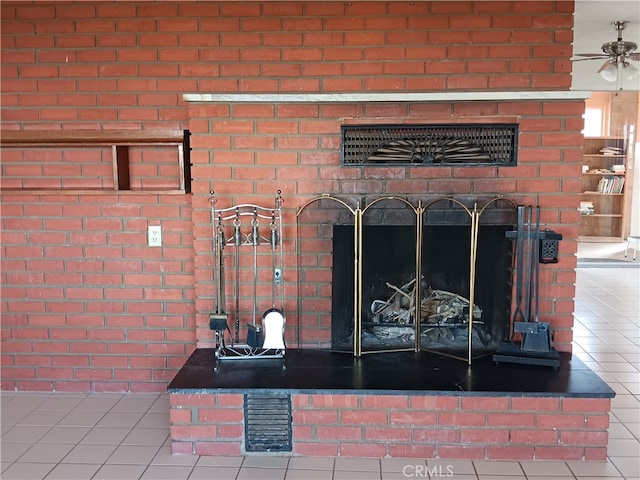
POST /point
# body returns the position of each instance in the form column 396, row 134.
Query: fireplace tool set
column 238, row 229
column 532, row 248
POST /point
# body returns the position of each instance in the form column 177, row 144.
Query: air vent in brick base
column 429, row 145
column 267, row 423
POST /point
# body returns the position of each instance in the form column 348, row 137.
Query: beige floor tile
column 81, row 419
column 628, row 466
column 26, row 401
column 98, row 403
column 134, row 404
column 154, row 420
column 593, row 469
column 265, row 462
column 210, row 473
column 45, row 453
column 62, row 401
column 43, row 417
column 105, row 436
column 10, row 452
column 120, row 419
column 27, row 471
column 250, row 473
column 25, row 434
column 456, row 476
column 623, row 448
column 97, row 454
column 398, row 476
column 220, row 461
column 634, row 428
column 73, row 471
column 164, row 457
column 619, row 431
column 12, row 417
column 311, row 463
column 402, row 464
column 166, row 472
column 146, row 436
column 309, row 475
column 627, row 415
column 160, row 405
column 445, row 467
column 356, row 475
column 620, row 477
column 120, row 472
column 133, row 455
column 546, row 469
column 71, row 435
column 487, row 467
column 357, row 464
column 550, row 477
column 494, row 476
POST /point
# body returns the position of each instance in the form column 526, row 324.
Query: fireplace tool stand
column 241, row 229
column 536, row 344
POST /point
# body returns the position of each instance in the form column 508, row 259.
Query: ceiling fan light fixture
column 630, row 71
column 609, row 71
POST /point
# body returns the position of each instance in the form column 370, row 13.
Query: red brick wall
column 126, row 65
column 86, row 304
column 496, row 428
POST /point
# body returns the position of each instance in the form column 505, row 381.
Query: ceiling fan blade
column 602, row 57
column 634, row 56
column 598, row 55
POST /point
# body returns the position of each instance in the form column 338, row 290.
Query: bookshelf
column 602, row 202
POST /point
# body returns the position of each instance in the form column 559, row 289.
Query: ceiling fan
column 617, row 55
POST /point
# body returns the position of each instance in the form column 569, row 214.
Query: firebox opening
column 389, row 265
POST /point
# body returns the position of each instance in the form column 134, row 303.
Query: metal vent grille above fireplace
column 429, row 145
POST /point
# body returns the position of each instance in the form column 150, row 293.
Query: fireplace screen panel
column 404, row 277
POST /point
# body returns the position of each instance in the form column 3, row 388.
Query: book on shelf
column 610, row 184
column 586, row 208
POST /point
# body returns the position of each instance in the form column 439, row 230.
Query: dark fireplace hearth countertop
column 309, row 371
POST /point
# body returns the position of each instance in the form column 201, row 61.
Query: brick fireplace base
column 397, row 405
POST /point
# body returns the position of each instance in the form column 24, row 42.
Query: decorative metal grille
column 429, row 145
column 267, row 423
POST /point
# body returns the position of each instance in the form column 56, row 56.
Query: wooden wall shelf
column 118, row 140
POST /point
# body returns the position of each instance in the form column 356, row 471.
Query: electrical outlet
column 155, row 236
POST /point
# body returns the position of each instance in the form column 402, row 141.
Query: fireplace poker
column 255, row 239
column 528, row 268
column 237, row 237
column 518, row 315
column 536, row 259
column 218, row 320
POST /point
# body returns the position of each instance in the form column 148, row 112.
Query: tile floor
column 126, row 436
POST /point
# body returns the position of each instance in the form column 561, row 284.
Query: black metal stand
column 536, row 346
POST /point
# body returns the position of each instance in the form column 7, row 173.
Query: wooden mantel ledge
column 484, row 96
column 90, row 137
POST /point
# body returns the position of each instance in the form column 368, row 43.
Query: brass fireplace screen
column 316, row 220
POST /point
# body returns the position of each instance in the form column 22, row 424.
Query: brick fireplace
column 99, row 311
column 248, row 147
column 245, row 148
